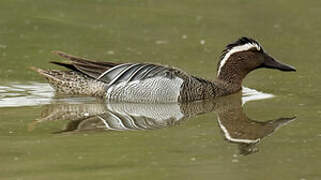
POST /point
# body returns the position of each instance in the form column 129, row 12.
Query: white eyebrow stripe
column 236, row 49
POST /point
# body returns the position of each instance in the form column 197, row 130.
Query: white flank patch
column 236, row 49
column 157, row 89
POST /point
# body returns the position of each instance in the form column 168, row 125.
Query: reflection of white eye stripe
column 236, row 49
column 238, row 140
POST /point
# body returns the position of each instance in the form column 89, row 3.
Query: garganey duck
column 145, row 82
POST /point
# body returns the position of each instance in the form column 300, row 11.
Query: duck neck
column 230, row 81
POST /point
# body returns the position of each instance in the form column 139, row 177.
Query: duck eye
column 254, row 50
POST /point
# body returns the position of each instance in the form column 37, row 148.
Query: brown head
column 242, row 57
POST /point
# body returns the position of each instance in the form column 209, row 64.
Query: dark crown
column 242, row 41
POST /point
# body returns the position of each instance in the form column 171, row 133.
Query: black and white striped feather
column 114, row 73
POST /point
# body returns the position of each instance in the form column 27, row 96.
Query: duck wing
column 114, row 73
column 131, row 72
column 85, row 66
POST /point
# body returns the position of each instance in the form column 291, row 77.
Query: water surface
column 251, row 137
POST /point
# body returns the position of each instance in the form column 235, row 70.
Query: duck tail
column 48, row 74
column 72, row 83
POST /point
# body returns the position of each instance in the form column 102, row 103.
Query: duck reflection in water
column 233, row 122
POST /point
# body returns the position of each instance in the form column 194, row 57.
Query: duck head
column 243, row 56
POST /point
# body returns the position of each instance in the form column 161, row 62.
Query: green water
column 188, row 34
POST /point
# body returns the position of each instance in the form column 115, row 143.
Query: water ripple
column 33, row 94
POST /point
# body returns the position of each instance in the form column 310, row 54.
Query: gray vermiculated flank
column 141, row 83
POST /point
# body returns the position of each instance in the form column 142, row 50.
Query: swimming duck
column 145, row 82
